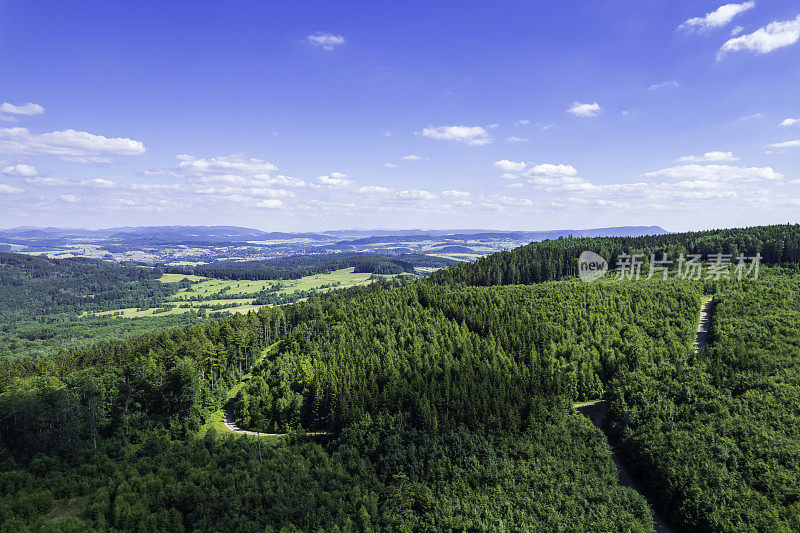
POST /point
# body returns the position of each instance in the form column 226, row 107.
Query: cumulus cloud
column 717, row 173
column 472, row 135
column 8, row 189
column 510, row 166
column 417, row 194
column 786, row 144
column 49, row 182
column 584, row 110
column 549, row 169
column 456, row 194
column 664, row 85
column 791, row 122
column 708, row 157
column 375, row 190
column 717, row 18
column 269, row 204
column 390, row 165
column 69, row 144
column 326, row 41
column 522, row 122
column 280, row 180
column 22, row 109
column 232, row 164
column 764, row 40
column 9, row 112
column 563, row 183
column 335, row 179
column 99, row 182
column 20, row 170
column 515, row 139
column 737, row 30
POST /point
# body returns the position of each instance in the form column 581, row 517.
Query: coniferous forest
column 431, row 405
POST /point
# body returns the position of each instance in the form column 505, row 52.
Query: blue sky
column 329, row 115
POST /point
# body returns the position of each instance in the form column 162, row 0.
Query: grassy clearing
column 67, row 508
column 250, row 288
column 174, row 278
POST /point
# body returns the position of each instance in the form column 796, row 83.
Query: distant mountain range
column 222, row 234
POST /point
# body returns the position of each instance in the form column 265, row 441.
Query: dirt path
column 231, row 425
column 596, row 412
column 702, row 326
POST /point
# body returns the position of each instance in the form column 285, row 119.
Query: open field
column 174, row 278
column 204, row 287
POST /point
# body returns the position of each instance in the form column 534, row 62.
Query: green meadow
column 248, row 289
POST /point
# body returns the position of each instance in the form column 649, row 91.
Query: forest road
column 596, row 412
column 702, row 326
column 231, row 425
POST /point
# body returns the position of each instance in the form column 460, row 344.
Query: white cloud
column 49, row 182
column 515, row 139
column 737, row 30
column 509, row 176
column 562, row 183
column 280, row 180
column 791, row 122
column 232, row 164
column 584, row 110
column 510, row 166
column 20, row 170
column 522, row 122
column 786, row 144
column 493, row 126
column 70, row 198
column 417, row 194
column 8, row 189
column 17, row 110
column 709, row 157
column 335, row 179
column 473, row 135
column 99, row 182
column 326, row 41
column 390, row 165
column 375, row 190
column 411, row 157
column 717, row 173
column 456, row 194
column 549, row 169
column 664, row 85
column 764, row 40
column 717, row 18
column 269, row 204
column 68, row 143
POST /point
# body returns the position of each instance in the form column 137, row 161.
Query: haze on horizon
column 311, row 116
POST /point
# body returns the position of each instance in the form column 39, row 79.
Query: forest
column 557, row 259
column 446, row 404
column 43, row 302
column 298, row 266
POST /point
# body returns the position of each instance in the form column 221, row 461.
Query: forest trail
column 596, row 412
column 706, row 309
column 233, row 428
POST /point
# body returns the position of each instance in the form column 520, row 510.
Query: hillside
column 444, row 406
